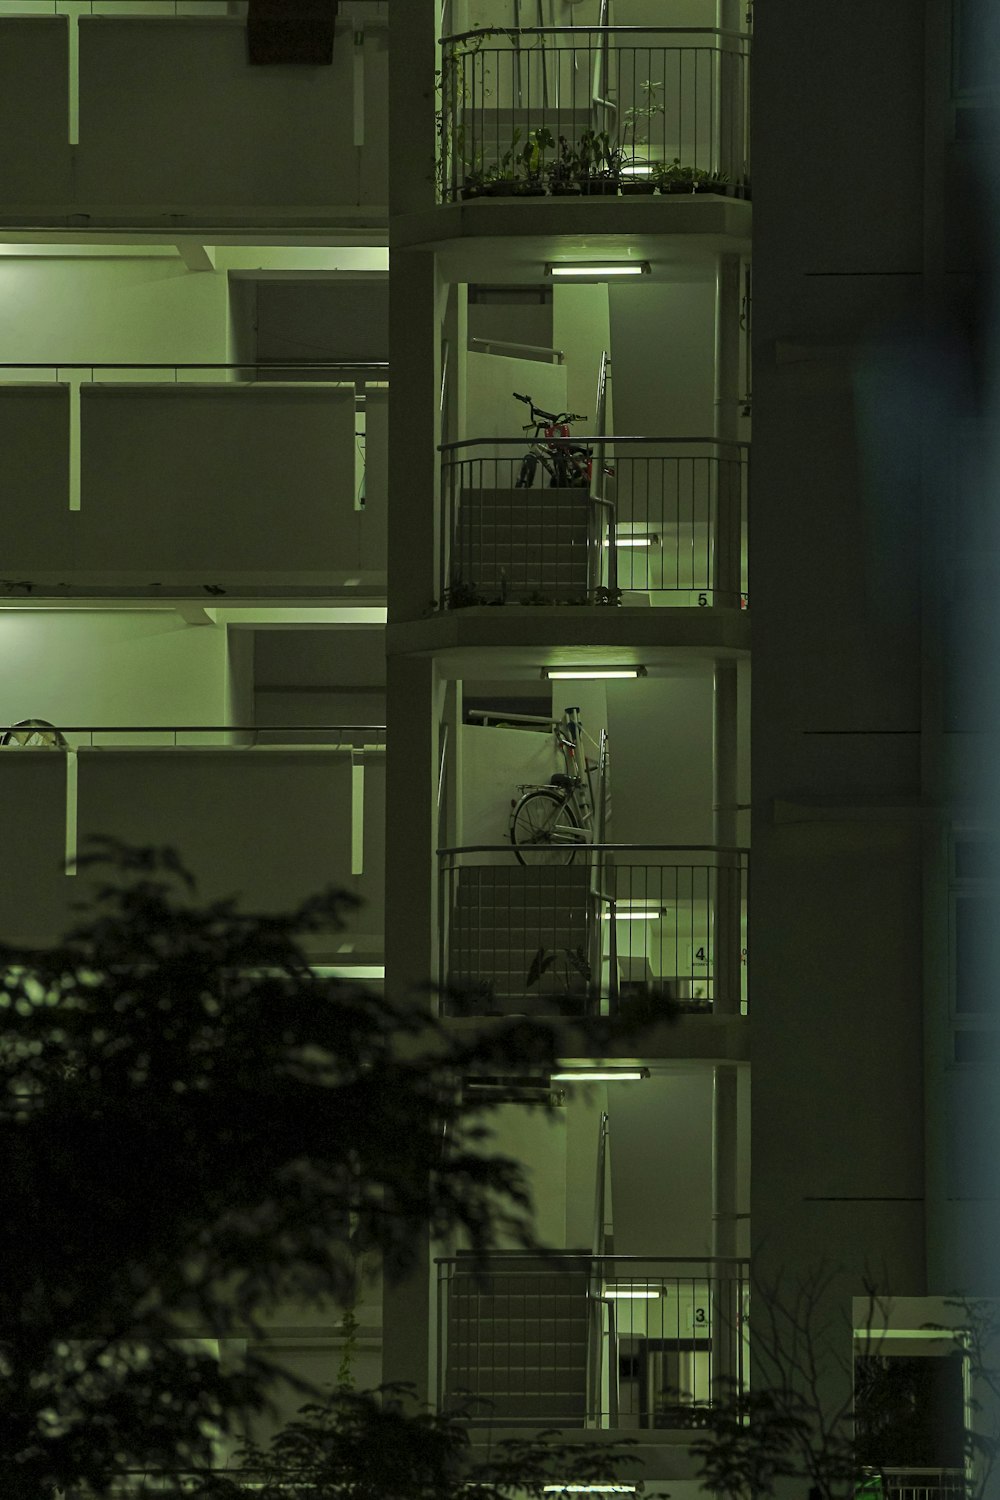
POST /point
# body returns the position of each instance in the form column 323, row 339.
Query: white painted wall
column 105, row 309
column 119, row 667
column 663, row 358
column 581, row 327
column 494, row 762
column 490, row 409
column 661, row 747
column 661, row 1164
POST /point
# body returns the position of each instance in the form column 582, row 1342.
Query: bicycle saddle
column 561, row 779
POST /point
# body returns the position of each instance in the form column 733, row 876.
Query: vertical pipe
column 726, row 580
column 726, row 955
column 725, row 1288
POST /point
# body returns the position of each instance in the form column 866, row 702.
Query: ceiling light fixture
column 646, row 1292
column 636, row 541
column 590, row 674
column 598, row 270
column 638, row 914
column 600, row 1075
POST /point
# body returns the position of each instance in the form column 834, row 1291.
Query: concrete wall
column 192, row 484
column 837, row 1019
column 114, row 668
column 174, row 119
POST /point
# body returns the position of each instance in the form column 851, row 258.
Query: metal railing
column 915, row 1484
column 346, row 737
column 667, row 518
column 251, row 372
column 584, row 937
column 569, row 109
column 514, row 1336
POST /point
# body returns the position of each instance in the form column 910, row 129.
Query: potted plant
column 600, row 164
column 637, row 170
column 473, row 180
column 502, row 176
column 711, row 182
column 532, row 160
column 671, row 177
column 564, row 170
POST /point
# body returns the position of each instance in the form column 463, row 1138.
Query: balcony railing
column 575, row 1340
column 663, row 520
column 603, row 109
column 583, row 937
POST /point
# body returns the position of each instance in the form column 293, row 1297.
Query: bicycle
column 549, row 823
column 567, row 464
column 34, row 734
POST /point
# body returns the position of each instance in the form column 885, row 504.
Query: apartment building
column 263, row 625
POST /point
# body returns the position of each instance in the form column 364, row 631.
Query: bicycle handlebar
column 550, row 416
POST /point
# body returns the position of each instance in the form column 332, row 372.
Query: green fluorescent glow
column 607, row 268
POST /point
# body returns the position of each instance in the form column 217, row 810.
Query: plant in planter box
column 711, row 182
column 531, row 158
column 502, row 177
column 671, row 177
column 600, row 164
column 636, row 134
column 564, row 172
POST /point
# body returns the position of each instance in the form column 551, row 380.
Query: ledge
column 529, row 638
column 702, row 225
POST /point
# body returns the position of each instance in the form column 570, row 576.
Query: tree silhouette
column 195, row 1126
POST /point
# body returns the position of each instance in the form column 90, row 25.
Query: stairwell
column 502, row 915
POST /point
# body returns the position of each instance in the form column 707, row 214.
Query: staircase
column 517, row 1341
column 501, row 916
column 525, row 541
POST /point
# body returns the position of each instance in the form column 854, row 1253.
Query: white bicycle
column 549, row 823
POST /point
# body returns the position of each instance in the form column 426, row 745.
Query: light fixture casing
column 591, row 674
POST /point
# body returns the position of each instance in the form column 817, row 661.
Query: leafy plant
column 533, row 152
column 634, row 115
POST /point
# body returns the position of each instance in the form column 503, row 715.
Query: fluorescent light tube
column 602, row 1075
column 636, row 541
column 636, row 1292
column 590, row 1489
column 591, row 674
column 600, row 269
column 649, row 915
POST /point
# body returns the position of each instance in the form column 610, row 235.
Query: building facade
column 291, row 586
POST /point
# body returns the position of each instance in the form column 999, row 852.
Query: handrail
column 546, row 1252
column 213, row 728
column 560, row 354
column 599, row 437
column 609, row 848
column 598, row 484
column 169, row 364
column 511, row 31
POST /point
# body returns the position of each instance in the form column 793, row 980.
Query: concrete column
column 416, row 310
column 726, row 1341
column 726, row 956
column 726, row 579
column 413, row 713
column 413, row 63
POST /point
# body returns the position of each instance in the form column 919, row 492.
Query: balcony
column 663, row 521
column 594, row 111
column 578, row 930
column 150, row 116
column 146, row 479
column 575, row 1340
column 273, row 816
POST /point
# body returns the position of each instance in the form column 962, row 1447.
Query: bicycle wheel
column 544, row 829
